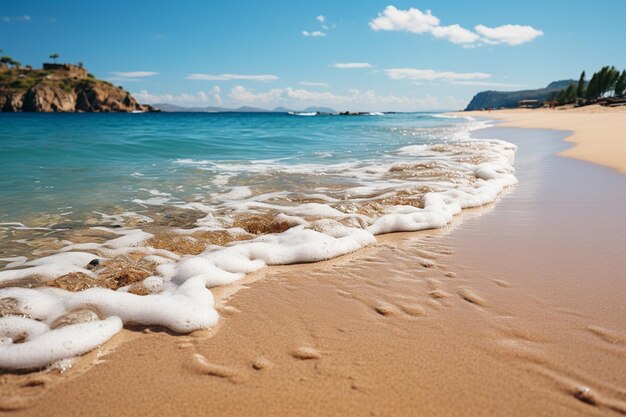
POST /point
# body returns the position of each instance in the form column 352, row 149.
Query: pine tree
column 570, row 93
column 620, row 84
column 592, row 87
column 612, row 77
column 580, row 89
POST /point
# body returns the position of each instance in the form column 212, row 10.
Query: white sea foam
column 181, row 299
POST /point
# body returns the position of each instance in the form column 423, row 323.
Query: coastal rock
column 43, row 98
column 62, row 88
column 11, row 102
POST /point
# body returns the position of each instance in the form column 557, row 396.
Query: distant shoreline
column 597, row 132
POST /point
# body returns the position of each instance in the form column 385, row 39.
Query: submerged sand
column 515, row 309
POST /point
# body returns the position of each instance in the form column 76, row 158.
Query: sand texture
column 598, row 132
column 516, row 309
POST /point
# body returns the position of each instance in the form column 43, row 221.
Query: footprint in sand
column 413, row 309
column 201, row 365
column 306, row 353
column 386, row 309
column 471, row 297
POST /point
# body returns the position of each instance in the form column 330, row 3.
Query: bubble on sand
column 585, row 395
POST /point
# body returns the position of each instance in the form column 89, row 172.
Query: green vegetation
column 54, row 57
column 608, row 82
column 15, row 77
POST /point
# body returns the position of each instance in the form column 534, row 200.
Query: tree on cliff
column 54, row 57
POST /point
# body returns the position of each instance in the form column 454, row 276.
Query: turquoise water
column 68, row 164
column 137, row 216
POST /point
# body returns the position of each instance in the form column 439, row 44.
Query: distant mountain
column 319, row 110
column 307, row 110
column 281, row 109
column 509, row 99
column 166, row 107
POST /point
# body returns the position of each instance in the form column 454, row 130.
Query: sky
column 358, row 55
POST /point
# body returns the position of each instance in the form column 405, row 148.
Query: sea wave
column 266, row 212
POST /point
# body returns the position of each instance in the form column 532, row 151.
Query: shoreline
column 408, row 324
column 594, row 130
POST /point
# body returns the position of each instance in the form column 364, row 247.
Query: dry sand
column 598, row 132
column 516, row 309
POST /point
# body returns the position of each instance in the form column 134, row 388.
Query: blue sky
column 356, row 55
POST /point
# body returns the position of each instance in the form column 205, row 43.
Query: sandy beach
column 511, row 310
column 598, row 132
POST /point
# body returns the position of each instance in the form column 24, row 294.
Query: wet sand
column 515, row 309
column 598, row 132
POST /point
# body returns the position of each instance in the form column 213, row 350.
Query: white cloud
column 201, row 98
column 508, row 34
column 412, row 20
column 317, row 33
column 9, row 19
column 134, row 74
column 432, row 75
column 415, row 21
column 229, row 77
column 355, row 100
column 313, row 84
column 455, row 34
column 314, row 34
column 351, row 65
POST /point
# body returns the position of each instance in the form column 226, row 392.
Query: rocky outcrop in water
column 62, row 88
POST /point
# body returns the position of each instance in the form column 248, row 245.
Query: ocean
column 108, row 219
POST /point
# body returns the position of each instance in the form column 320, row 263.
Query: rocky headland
column 61, row 88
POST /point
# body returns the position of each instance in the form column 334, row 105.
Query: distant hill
column 307, row 110
column 166, row 107
column 61, row 88
column 509, row 99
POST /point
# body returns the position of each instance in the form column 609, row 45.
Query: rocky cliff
column 61, row 88
column 509, row 99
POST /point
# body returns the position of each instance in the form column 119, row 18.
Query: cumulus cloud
column 353, row 100
column 229, row 77
column 314, row 34
column 508, row 34
column 432, row 75
column 455, row 34
column 313, row 84
column 416, row 21
column 321, row 18
column 352, row 65
column 211, row 97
